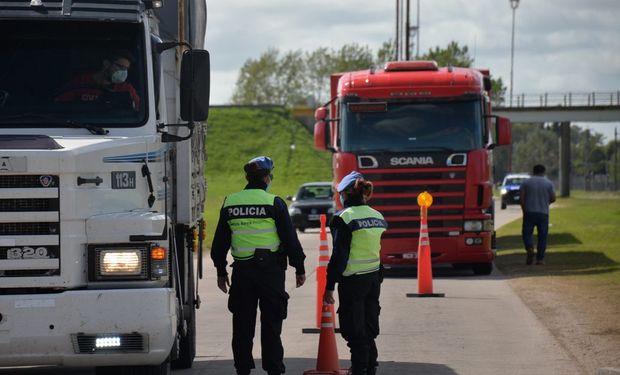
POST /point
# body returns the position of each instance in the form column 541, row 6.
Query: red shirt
column 85, row 88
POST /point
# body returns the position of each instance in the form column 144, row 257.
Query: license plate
column 313, row 217
column 410, row 255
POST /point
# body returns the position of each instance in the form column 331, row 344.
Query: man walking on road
column 258, row 228
column 536, row 195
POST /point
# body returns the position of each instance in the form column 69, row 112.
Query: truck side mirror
column 503, row 130
column 320, row 136
column 195, row 85
column 320, row 114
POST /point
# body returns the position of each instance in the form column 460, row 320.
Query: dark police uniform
column 355, row 265
column 257, row 226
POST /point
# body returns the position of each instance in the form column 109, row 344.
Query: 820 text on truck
column 101, row 182
column 413, row 127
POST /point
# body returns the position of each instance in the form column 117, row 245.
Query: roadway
column 480, row 327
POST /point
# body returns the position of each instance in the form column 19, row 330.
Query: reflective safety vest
column 367, row 225
column 251, row 218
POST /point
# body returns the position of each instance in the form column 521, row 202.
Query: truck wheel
column 482, row 268
column 504, row 205
column 301, row 229
column 186, row 344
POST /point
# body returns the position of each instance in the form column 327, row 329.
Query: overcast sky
column 560, row 45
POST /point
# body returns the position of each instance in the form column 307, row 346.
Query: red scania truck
column 413, row 127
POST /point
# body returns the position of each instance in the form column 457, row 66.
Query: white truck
column 101, row 186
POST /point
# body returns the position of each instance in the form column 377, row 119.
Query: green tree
column 319, row 67
column 290, row 80
column 498, row 92
column 453, row 54
column 386, row 52
column 255, row 84
column 534, row 144
column 352, row 57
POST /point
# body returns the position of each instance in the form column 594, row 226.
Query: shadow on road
column 296, row 366
column 439, row 271
column 571, row 263
column 515, row 241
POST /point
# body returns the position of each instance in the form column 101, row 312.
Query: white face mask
column 119, row 76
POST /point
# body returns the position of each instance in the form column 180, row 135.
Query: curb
column 608, row 371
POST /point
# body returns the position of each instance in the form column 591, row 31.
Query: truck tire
column 504, row 205
column 162, row 369
column 186, row 343
column 482, row 268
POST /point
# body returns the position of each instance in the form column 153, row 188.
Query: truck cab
column 102, row 105
column 412, row 127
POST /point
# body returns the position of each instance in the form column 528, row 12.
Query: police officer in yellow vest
column 257, row 228
column 355, row 266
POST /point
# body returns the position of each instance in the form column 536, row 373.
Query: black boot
column 357, row 371
column 371, row 371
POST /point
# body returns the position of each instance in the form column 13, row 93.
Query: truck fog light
column 107, row 342
column 120, row 262
column 469, row 241
column 478, row 241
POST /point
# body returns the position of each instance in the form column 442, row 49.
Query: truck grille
column 29, row 225
column 395, row 196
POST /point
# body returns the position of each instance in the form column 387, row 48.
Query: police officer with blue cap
column 355, row 266
column 257, row 228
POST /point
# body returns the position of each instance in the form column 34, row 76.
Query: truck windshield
column 412, row 126
column 63, row 74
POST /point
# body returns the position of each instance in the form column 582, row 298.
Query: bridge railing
column 570, row 99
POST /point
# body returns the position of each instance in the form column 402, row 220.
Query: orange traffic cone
column 321, row 276
column 425, row 270
column 327, row 359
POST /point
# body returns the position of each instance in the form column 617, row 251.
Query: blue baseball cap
column 348, row 180
column 259, row 163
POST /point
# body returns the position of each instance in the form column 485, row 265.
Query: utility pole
column 396, row 44
column 514, row 4
column 417, row 33
column 407, row 35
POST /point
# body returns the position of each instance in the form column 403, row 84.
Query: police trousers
column 358, row 315
column 255, row 285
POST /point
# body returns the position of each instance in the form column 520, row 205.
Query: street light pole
column 514, row 4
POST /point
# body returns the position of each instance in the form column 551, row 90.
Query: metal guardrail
column 570, row 99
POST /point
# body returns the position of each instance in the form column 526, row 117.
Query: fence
column 570, row 99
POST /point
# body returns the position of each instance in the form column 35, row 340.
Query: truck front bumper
column 444, row 250
column 43, row 329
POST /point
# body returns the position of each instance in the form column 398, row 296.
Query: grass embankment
column 583, row 242
column 576, row 294
column 237, row 134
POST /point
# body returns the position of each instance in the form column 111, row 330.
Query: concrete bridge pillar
column 565, row 159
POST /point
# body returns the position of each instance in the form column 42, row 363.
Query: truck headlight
column 504, row 191
column 294, row 211
column 478, row 225
column 111, row 262
column 120, row 262
column 472, row 226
